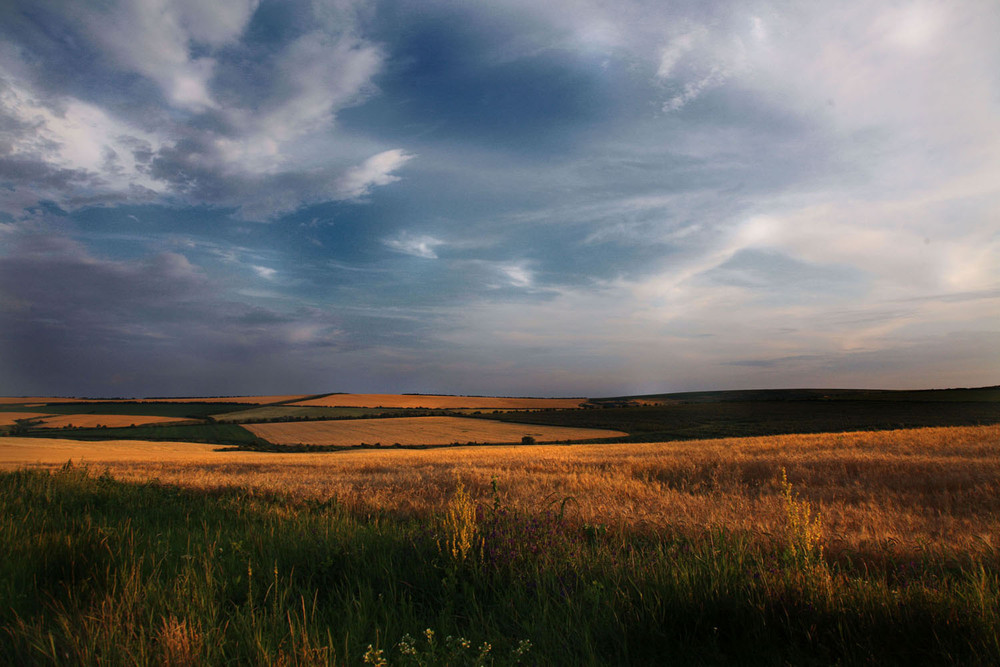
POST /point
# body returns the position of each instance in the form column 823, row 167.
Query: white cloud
column 415, row 245
column 264, row 272
column 676, row 49
column 155, row 38
column 375, row 171
column 518, row 275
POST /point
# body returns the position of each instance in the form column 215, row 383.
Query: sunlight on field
column 440, row 402
column 111, row 421
column 37, row 400
column 19, row 452
column 261, row 400
column 416, row 431
column 936, row 487
column 10, row 418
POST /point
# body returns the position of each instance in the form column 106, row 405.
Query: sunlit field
column 10, row 418
column 417, row 431
column 850, row 548
column 110, row 421
column 902, row 491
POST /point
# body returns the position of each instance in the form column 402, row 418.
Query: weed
column 460, row 525
column 803, row 528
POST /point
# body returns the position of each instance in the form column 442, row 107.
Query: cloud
column 518, row 275
column 375, row 171
column 70, row 321
column 415, row 245
column 264, row 272
column 154, row 38
column 240, row 124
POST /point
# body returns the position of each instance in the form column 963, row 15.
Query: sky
column 561, row 198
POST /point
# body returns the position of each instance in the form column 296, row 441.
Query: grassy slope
column 98, row 571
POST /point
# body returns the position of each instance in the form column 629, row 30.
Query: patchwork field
column 441, row 402
column 111, row 421
column 416, row 431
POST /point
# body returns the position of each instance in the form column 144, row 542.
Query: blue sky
column 561, row 198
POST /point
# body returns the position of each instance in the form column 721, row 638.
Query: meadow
column 809, row 549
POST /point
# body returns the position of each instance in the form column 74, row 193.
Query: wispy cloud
column 415, row 245
column 375, row 171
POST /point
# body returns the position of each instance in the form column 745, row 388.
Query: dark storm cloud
column 70, row 317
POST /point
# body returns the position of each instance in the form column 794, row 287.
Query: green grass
column 684, row 421
column 223, row 434
column 95, row 571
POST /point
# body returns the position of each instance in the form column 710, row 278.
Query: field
column 416, row 431
column 903, row 490
column 175, row 410
column 720, row 417
column 10, row 418
column 851, row 548
column 250, row 400
column 222, row 434
column 440, row 402
column 36, row 400
column 17, row 452
column 292, row 412
column 110, row 421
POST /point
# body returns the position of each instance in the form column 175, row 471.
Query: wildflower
column 374, row 656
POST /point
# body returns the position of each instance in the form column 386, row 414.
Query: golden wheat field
column 440, row 402
column 38, row 400
column 9, row 418
column 416, row 431
column 933, row 488
column 111, row 421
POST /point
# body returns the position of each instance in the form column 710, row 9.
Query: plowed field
column 441, row 402
column 416, row 431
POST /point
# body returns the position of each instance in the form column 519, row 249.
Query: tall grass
column 97, row 571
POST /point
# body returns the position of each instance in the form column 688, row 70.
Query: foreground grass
column 100, row 571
